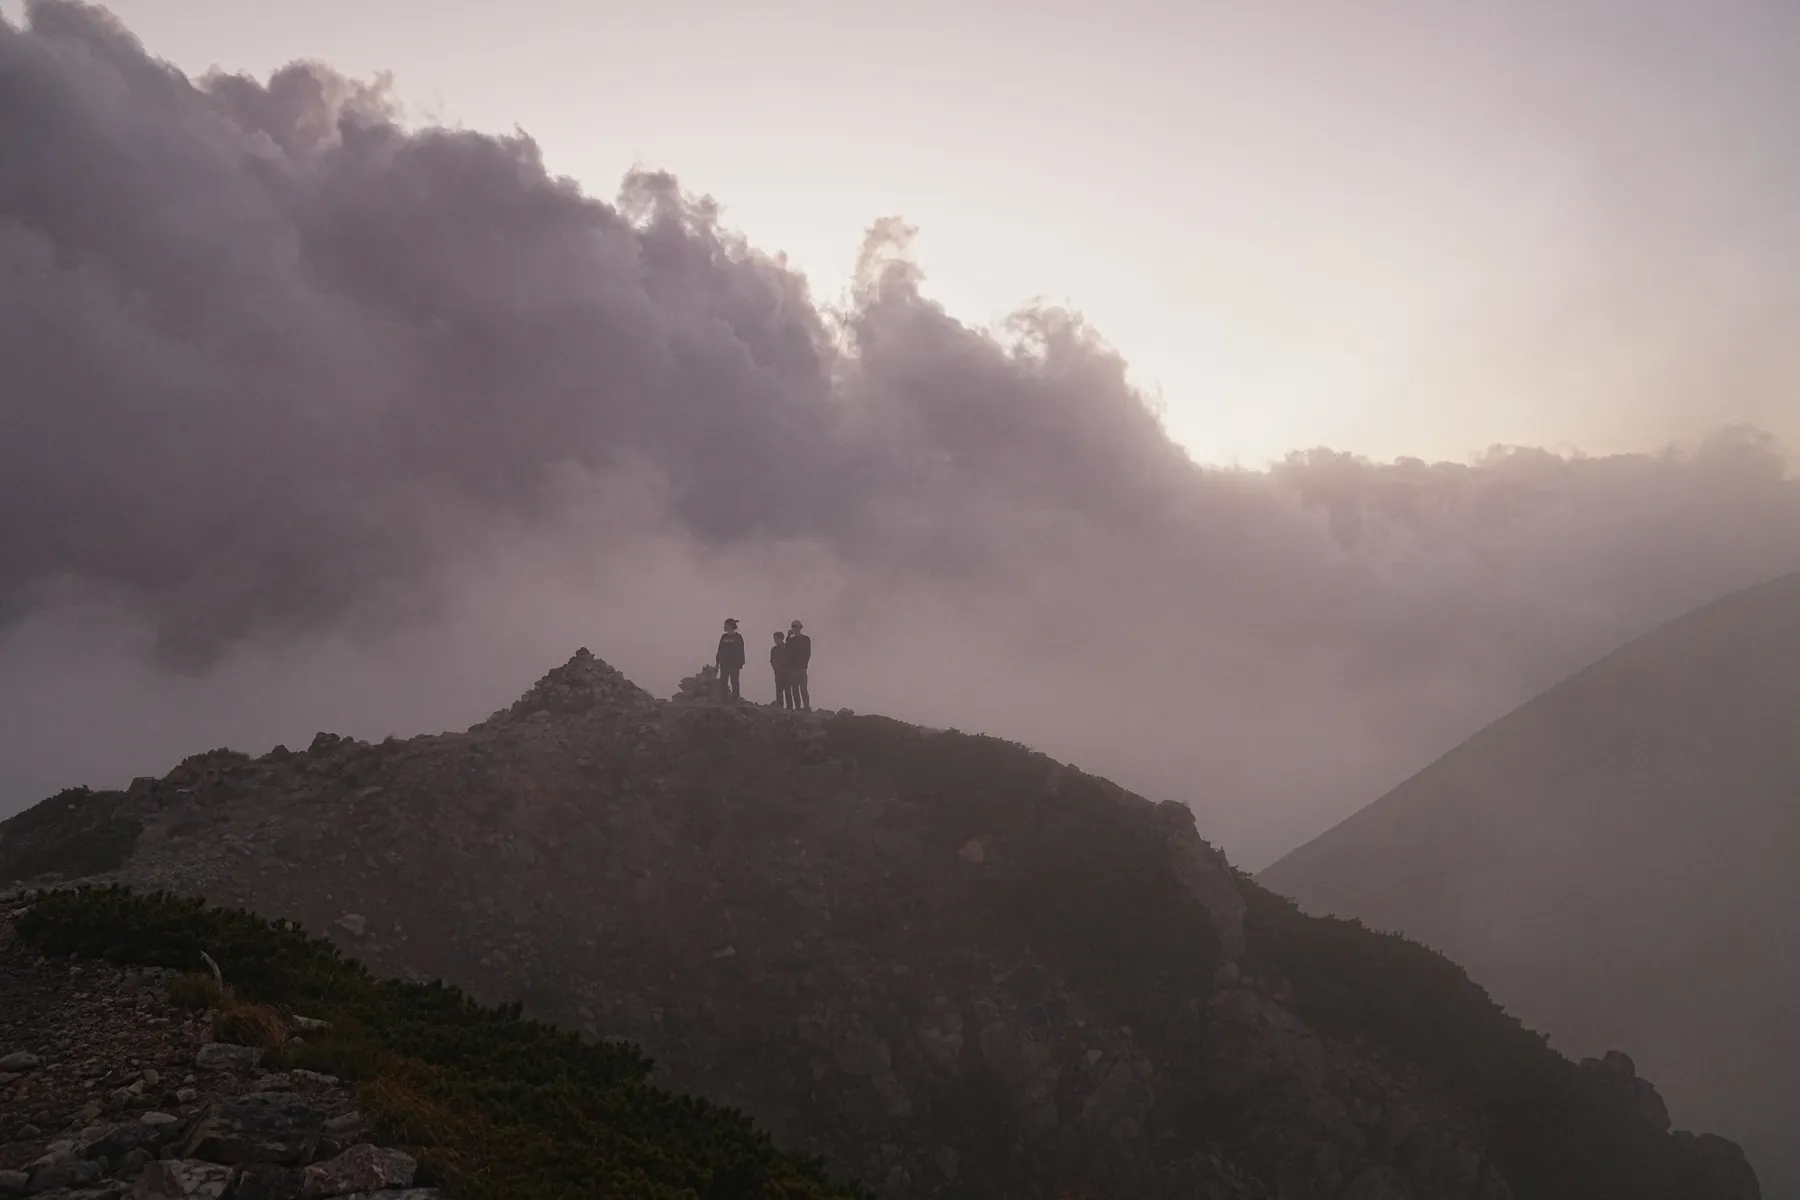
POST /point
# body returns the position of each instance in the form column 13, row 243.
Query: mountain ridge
column 1609, row 859
column 946, row 964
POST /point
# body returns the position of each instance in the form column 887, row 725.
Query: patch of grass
column 498, row 1107
column 196, row 992
column 348, row 1053
column 75, row 832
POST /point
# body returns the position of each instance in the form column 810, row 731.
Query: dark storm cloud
column 264, row 343
column 258, row 336
column 277, row 366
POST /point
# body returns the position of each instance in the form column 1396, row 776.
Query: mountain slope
column 949, row 966
column 1615, row 860
column 490, row 1104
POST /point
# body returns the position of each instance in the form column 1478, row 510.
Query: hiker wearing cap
column 799, row 656
column 730, row 659
column 778, row 663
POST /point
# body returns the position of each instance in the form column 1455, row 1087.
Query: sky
column 1400, row 227
column 1246, row 406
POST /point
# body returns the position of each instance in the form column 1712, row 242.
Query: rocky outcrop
column 101, row 1098
column 945, row 964
column 700, row 687
column 1616, row 1075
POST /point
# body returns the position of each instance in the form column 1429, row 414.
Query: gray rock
column 183, row 1179
column 13, row 1183
column 74, row 1172
column 21, row 1060
column 264, row 1181
column 89, row 1142
column 345, row 1123
column 258, row 1127
column 59, row 1151
column 223, row 1056
column 361, row 1169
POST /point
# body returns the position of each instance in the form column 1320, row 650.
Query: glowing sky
column 1395, row 227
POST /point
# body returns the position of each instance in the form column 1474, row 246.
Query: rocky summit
column 948, row 966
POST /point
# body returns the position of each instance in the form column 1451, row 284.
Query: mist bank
column 316, row 420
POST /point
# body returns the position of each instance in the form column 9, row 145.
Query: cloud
column 314, row 418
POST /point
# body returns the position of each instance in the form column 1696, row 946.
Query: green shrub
column 1554, row 1135
column 497, row 1106
column 1093, row 893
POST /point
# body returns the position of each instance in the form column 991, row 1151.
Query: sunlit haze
column 1396, row 227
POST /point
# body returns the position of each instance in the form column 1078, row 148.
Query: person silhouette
column 799, row 658
column 730, row 659
column 778, row 663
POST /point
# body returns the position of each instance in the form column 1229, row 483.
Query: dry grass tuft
column 250, row 1025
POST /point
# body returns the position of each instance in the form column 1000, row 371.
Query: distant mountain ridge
column 948, row 965
column 1616, row 861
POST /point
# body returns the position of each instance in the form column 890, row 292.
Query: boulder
column 70, row 1173
column 258, row 1127
column 1617, row 1075
column 265, row 1181
column 224, row 1056
column 183, row 1179
column 360, row 1169
column 158, row 1125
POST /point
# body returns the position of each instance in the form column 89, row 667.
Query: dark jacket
column 778, row 658
column 731, row 651
column 799, row 651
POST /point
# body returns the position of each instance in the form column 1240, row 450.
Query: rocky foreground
column 107, row 1091
column 948, row 966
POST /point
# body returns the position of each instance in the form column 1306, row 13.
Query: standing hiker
column 778, row 662
column 799, row 656
column 730, row 659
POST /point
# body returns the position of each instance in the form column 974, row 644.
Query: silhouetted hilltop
column 947, row 965
column 1616, row 861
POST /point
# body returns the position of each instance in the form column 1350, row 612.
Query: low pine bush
column 496, row 1106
